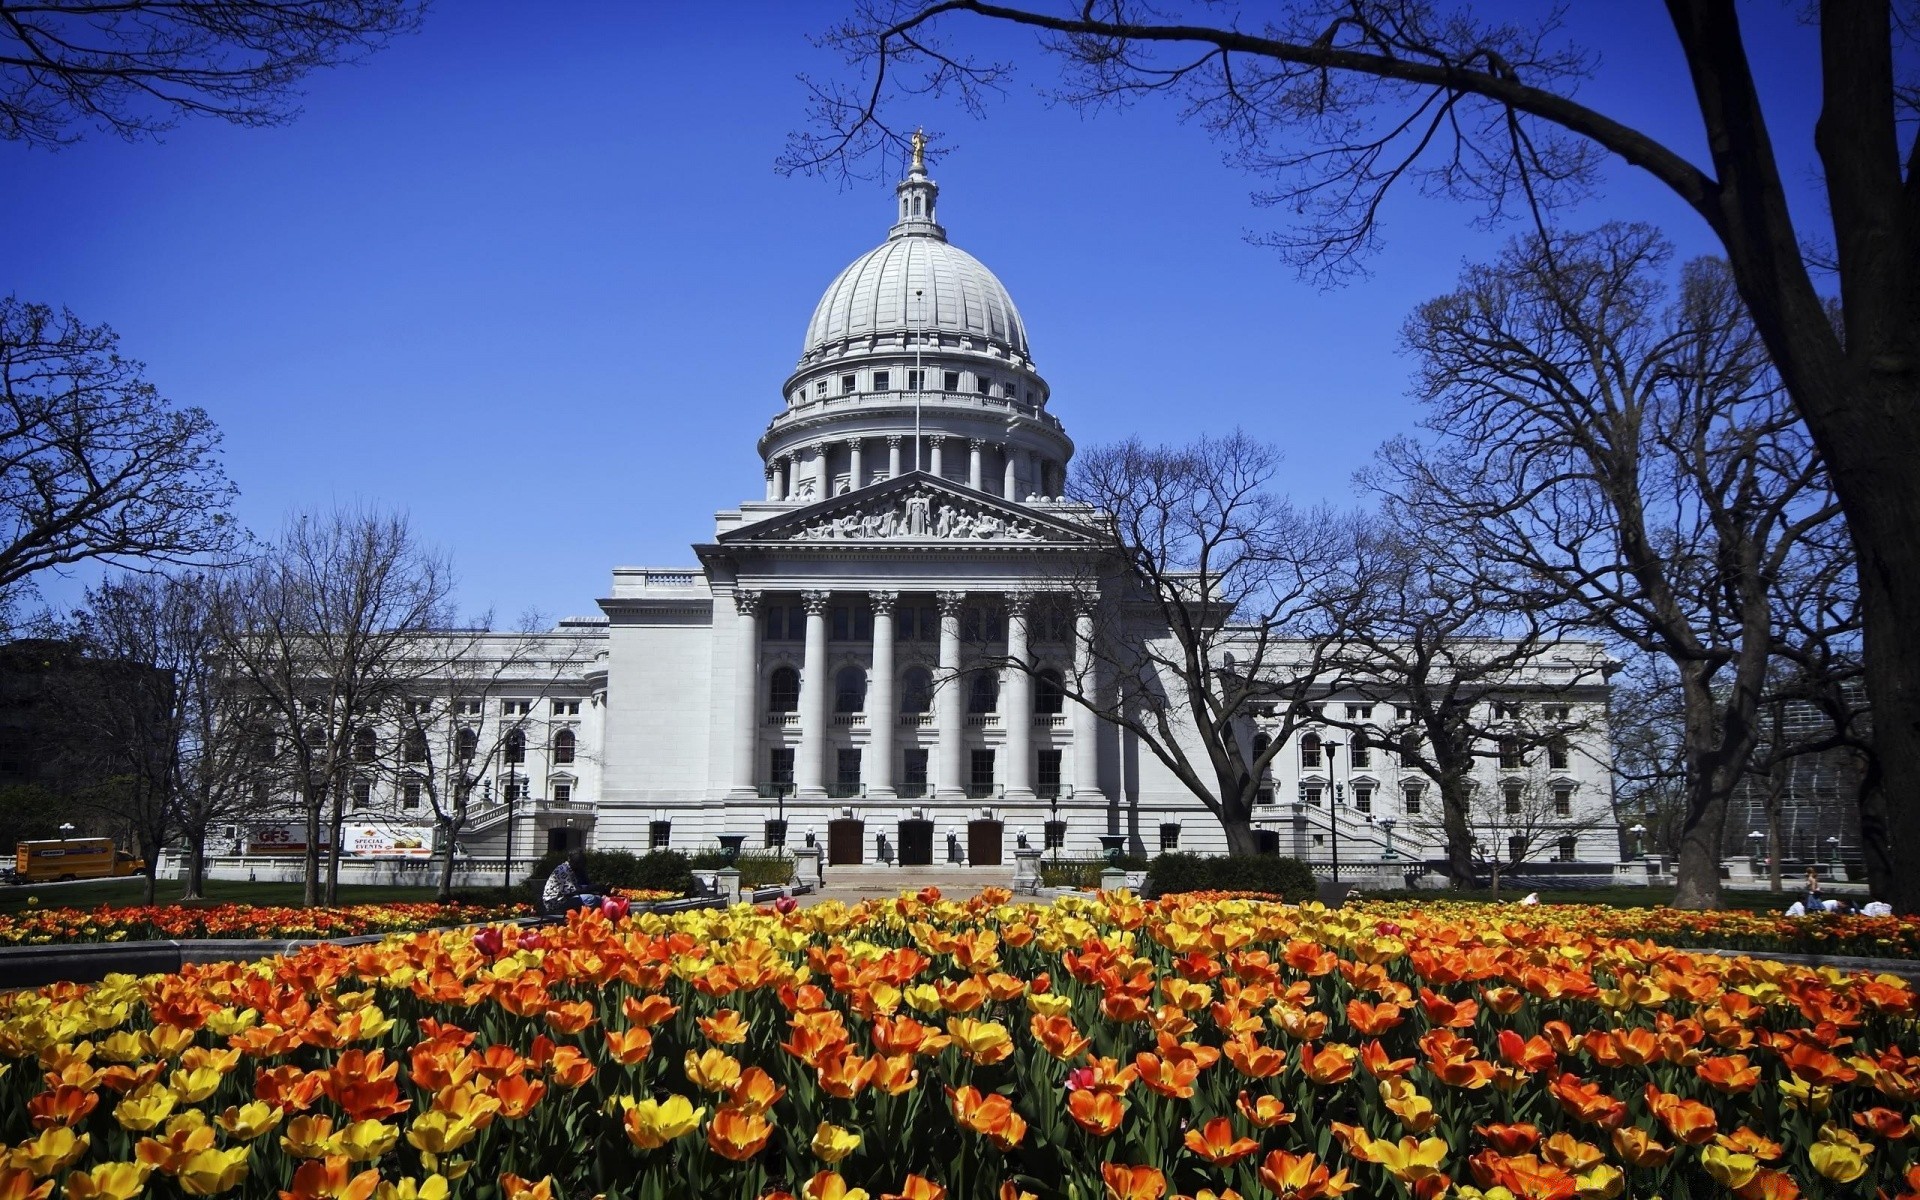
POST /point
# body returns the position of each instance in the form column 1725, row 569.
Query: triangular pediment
column 914, row 509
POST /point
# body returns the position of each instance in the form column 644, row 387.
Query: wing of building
column 813, row 671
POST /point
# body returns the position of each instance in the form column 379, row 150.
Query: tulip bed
column 135, row 923
column 1869, row 937
column 919, row 1049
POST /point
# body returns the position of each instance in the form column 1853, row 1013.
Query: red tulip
column 785, row 905
column 613, row 907
column 488, row 942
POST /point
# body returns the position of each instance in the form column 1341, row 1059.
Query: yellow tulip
column 438, row 1133
column 1603, row 1182
column 1839, row 1162
column 211, row 1172
column 108, row 1181
column 1049, row 1004
column 652, row 1123
column 51, row 1151
column 433, row 1187
column 309, row 1136
column 250, row 1120
column 364, row 1141
column 144, row 1109
column 196, row 1085
column 713, row 1070
column 832, row 1143
column 1728, row 1168
column 924, row 997
column 1408, row 1160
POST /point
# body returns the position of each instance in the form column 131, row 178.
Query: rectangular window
column 776, row 624
column 1046, row 782
column 1169, row 836
column 1512, row 794
column 362, row 794
column 516, row 708
column 1363, row 797
column 510, row 792
column 863, row 624
column 846, row 775
column 842, row 622
column 1556, row 712
column 562, row 793
column 419, row 708
column 1400, row 712
column 467, row 708
column 950, row 381
column 1055, row 833
column 820, row 388
column 1411, row 796
column 913, row 772
column 659, row 834
column 916, row 380
column 881, row 381
column 410, row 796
column 1409, row 749
column 980, row 776
column 780, row 767
column 1503, row 711
column 1359, row 712
column 1362, row 752
column 566, row 708
column 1563, row 802
column 1569, row 848
column 929, row 624
column 903, row 625
column 1310, row 751
column 1511, row 758
column 1310, row 792
column 982, row 384
column 1517, row 847
column 1559, row 757
column 796, row 623
column 849, row 384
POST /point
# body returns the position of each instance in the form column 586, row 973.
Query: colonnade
column 880, row 761
column 791, row 478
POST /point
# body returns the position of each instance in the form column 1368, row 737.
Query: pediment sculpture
column 918, row 516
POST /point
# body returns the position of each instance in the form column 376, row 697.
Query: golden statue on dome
column 919, row 166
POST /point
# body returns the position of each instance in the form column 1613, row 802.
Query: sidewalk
column 851, row 885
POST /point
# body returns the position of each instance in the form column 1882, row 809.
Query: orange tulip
column 724, row 1028
column 1264, row 1112
column 738, row 1135
column 1133, row 1183
column 1302, row 1177
column 1731, row 1074
column 756, row 1091
column 1253, row 1060
column 1638, row 1148
column 629, row 1046
column 327, row 1179
column 1059, row 1037
column 991, row 1115
column 916, row 1188
column 517, row 1096
column 64, row 1106
column 1098, row 1113
column 1216, row 1143
column 843, row 1074
column 647, row 1011
column 1330, row 1065
column 1373, row 1019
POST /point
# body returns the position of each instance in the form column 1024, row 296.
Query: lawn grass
column 218, row 891
column 1613, row 897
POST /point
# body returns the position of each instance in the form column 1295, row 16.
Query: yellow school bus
column 73, row 858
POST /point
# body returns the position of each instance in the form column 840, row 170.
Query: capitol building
column 833, row 662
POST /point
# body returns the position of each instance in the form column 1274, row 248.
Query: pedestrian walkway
column 850, row 885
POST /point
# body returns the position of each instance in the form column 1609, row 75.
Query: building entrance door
column 846, row 842
column 983, row 843
column 916, row 843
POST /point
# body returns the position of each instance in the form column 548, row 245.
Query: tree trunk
column 310, row 894
column 454, row 825
column 153, row 877
column 1697, row 870
column 1236, row 821
column 1776, row 788
column 1890, row 596
column 1456, row 814
column 1493, row 864
column 1882, row 877
column 1774, row 880
column 337, row 823
column 196, row 872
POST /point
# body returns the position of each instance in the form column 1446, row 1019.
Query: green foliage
column 1288, row 878
column 758, row 868
column 1084, row 872
column 28, row 812
column 666, row 870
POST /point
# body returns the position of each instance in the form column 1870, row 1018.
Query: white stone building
column 905, row 528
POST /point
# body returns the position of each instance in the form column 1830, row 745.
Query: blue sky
column 537, row 282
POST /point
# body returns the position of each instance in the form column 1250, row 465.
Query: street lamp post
column 1639, row 833
column 1833, row 855
column 507, row 791
column 1757, row 841
column 1386, row 826
column 1333, row 806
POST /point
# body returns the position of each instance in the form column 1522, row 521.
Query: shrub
column 665, row 870
column 1083, row 872
column 1288, row 878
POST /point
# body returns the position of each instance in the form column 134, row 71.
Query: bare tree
column 1339, row 101
column 135, row 67
column 1447, row 640
column 1216, row 605
column 446, row 741
column 1646, row 714
column 94, row 463
column 1632, row 456
column 327, row 633
column 1518, row 821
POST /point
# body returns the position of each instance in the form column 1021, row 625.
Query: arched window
column 363, row 745
column 515, row 747
column 1049, row 695
column 916, row 690
column 983, row 694
column 466, row 744
column 563, row 743
column 414, row 745
column 850, row 690
column 1261, row 742
column 783, row 693
column 1310, row 750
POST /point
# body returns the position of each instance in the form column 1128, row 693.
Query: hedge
column 1288, row 878
column 665, row 870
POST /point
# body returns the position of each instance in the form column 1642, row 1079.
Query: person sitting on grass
column 568, row 887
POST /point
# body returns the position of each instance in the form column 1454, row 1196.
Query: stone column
column 854, row 474
column 876, row 765
column 1019, row 706
column 1012, row 483
column 934, row 466
column 893, row 457
column 974, row 446
column 773, row 482
column 949, row 709
column 822, row 475
column 782, row 478
column 1033, row 472
column 1086, row 725
column 810, row 765
column 746, row 692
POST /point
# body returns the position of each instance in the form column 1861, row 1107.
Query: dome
column 916, row 280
